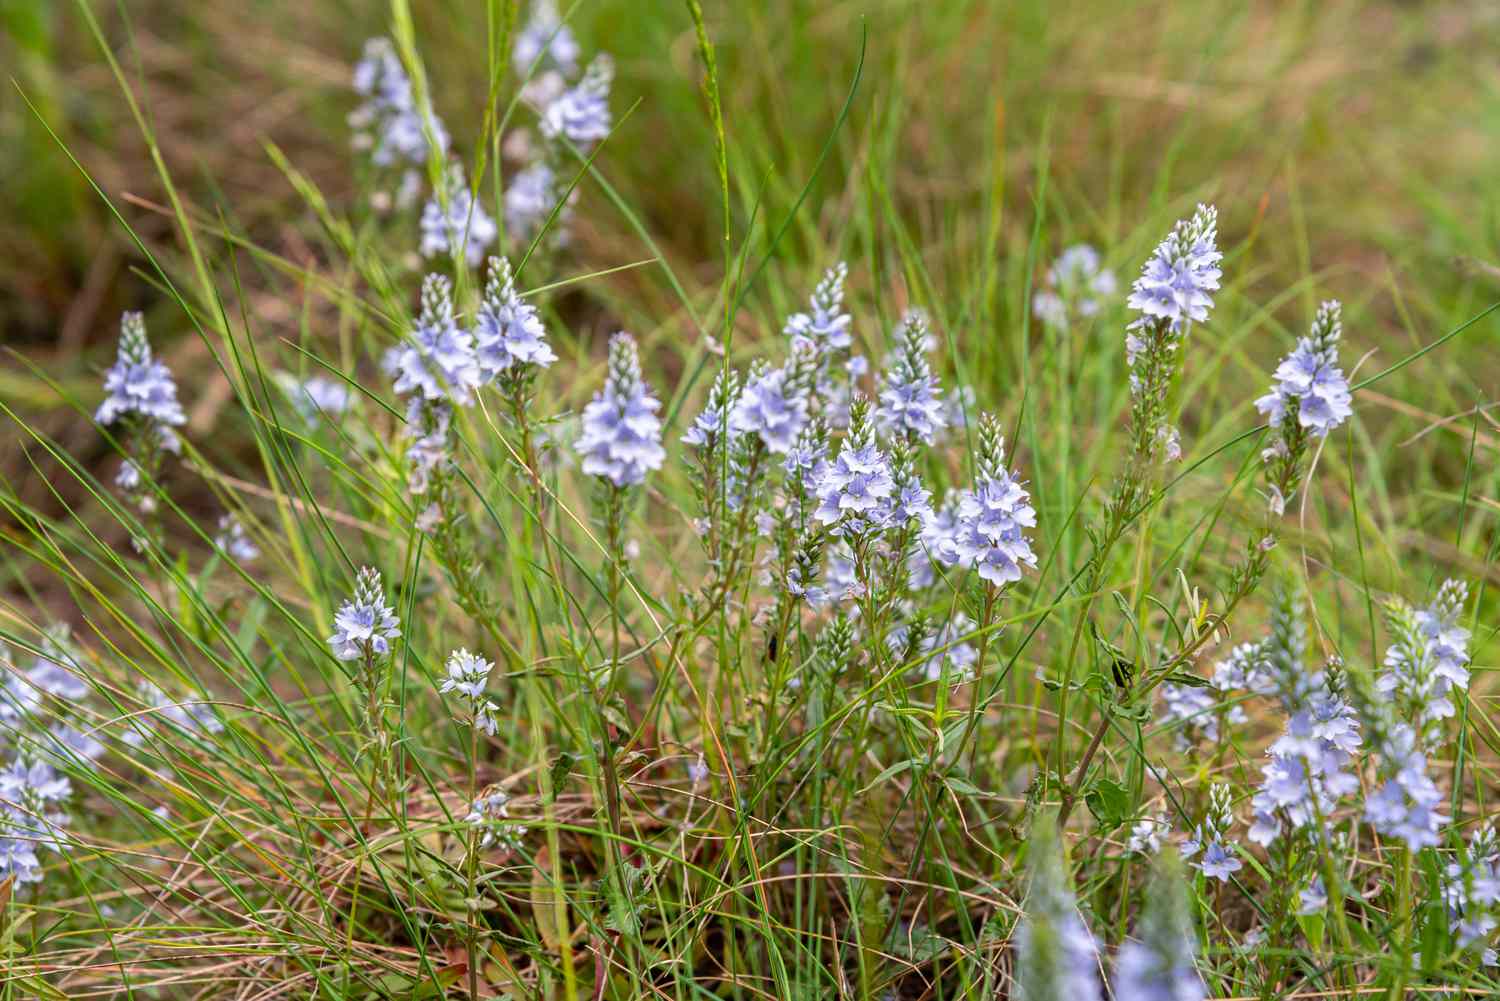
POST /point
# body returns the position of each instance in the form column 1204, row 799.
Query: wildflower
column 529, row 200
column 454, row 222
column 911, row 399
column 137, row 383
column 1056, row 956
column 581, row 114
column 1157, row 965
column 1218, row 860
column 1076, row 283
column 437, row 362
column 1313, row 898
column 491, row 816
column 1428, row 659
column 773, row 406
column 855, row 489
column 1406, row 805
column 621, row 437
column 403, row 133
column 546, row 50
column 18, row 857
column 825, row 324
column 427, row 454
column 185, row 716
column 992, row 518
column 233, row 540
column 366, row 624
column 698, row 771
column 710, row 426
column 508, row 332
column 1195, row 712
column 56, row 670
column 1176, row 283
column 1471, row 891
column 31, row 794
column 1172, row 292
column 1305, row 775
column 1147, row 833
column 76, row 744
column 468, row 674
column 316, row 399
column 1309, row 385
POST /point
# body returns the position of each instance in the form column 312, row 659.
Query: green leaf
column 1109, row 802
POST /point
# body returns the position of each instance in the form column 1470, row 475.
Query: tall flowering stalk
column 140, row 396
column 1174, row 291
column 366, row 628
column 620, row 444
column 438, row 370
column 1310, row 397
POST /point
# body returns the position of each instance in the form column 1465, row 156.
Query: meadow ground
column 751, row 716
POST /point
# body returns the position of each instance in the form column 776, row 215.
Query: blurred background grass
column 1350, row 146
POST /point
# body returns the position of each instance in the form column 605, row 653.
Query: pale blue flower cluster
column 856, row 489
column 581, row 113
column 1218, row 860
column 389, row 123
column 529, row 200
column 989, row 533
column 621, row 437
column 508, row 333
column 1176, row 285
column 1309, row 383
column 31, row 819
column 1157, row 965
column 1428, row 658
column 490, row 815
column 825, row 324
column 1055, row 953
column 1307, row 768
column 773, row 405
column 545, row 53
column 713, row 425
column 1077, row 285
column 366, row 625
column 911, row 399
column 1407, row 804
column 317, row 399
column 437, row 361
column 139, row 384
column 454, row 222
column 1471, row 893
column 468, row 674
column 234, row 542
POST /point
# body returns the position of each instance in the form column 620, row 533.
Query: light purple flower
column 1310, row 379
column 855, row 488
column 529, row 200
column 138, row 384
column 366, row 624
column 990, row 533
column 911, row 401
column 581, row 114
column 771, row 407
column 826, row 325
column 1176, row 283
column 454, row 222
column 621, row 437
column 437, row 362
column 508, row 332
